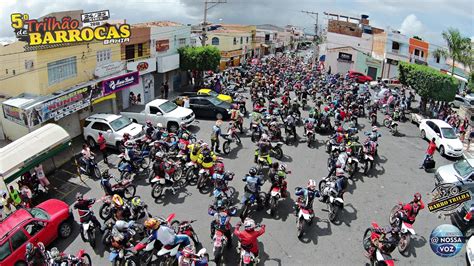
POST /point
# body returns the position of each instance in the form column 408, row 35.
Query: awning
column 457, row 77
column 108, row 97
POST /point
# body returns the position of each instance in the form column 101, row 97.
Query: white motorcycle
column 331, row 197
column 305, row 216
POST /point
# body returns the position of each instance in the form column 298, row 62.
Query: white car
column 112, row 127
column 446, row 138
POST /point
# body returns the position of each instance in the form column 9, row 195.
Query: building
column 391, row 47
column 343, row 59
column 418, row 50
column 235, row 42
column 273, row 39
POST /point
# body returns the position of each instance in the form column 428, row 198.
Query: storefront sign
column 109, row 69
column 162, row 45
column 51, row 31
column 447, row 198
column 94, row 19
column 231, row 53
column 345, row 56
column 64, row 104
column 13, row 114
column 143, row 66
column 121, row 82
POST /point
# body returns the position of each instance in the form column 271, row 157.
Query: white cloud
column 411, row 25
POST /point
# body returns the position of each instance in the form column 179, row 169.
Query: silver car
column 460, row 173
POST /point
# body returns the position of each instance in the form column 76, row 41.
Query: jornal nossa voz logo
column 53, row 31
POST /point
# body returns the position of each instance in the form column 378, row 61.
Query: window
column 154, row 110
column 100, row 126
column 5, row 250
column 422, row 54
column 417, row 52
column 215, row 41
column 129, row 52
column 18, row 239
column 34, row 227
column 247, row 41
column 235, row 41
column 62, row 70
column 140, row 49
column 182, row 42
column 104, row 56
column 13, row 72
column 241, row 40
column 395, row 46
column 437, row 60
column 119, row 124
column 86, row 123
column 6, row 71
column 39, row 214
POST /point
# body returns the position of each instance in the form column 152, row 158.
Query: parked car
column 446, row 138
column 112, row 128
column 209, row 92
column 457, row 219
column 359, row 77
column 460, row 173
column 459, row 101
column 43, row 223
column 160, row 111
column 386, row 82
column 208, row 106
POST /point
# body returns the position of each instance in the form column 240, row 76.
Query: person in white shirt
column 186, row 102
column 41, row 176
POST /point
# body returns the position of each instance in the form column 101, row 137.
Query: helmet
column 185, row 136
column 136, row 201
column 29, row 248
column 220, row 168
column 375, row 128
column 121, row 225
column 264, row 137
column 151, row 223
column 160, row 125
column 188, row 251
column 79, row 196
column 148, row 123
column 222, row 203
column 54, row 252
column 117, row 200
column 417, row 197
column 128, row 144
column 311, row 184
column 249, row 224
column 282, row 167
column 182, row 124
column 105, row 174
column 159, row 155
column 253, row 171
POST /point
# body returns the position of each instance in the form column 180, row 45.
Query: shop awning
column 23, row 154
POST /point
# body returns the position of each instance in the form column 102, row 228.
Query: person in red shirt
column 248, row 238
column 429, row 152
column 411, row 209
column 103, row 147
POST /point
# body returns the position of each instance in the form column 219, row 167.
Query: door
column 37, row 232
column 372, row 72
column 436, row 135
column 343, row 67
column 157, row 115
column 208, row 109
column 195, row 106
column 18, row 243
column 96, row 128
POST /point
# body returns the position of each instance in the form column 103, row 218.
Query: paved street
column 395, row 178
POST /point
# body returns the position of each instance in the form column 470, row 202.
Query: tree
column 199, row 58
column 459, row 47
column 428, row 82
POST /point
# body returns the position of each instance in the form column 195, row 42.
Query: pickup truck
column 160, row 111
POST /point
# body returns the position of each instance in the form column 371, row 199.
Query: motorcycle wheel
column 129, row 191
column 145, row 163
column 404, row 243
column 322, row 184
column 255, row 136
column 394, row 130
column 178, row 174
column 104, row 212
column 106, row 238
column 151, row 175
column 132, row 261
column 277, row 153
column 91, row 235
column 190, row 175
column 366, row 243
column 386, row 123
column 218, row 255
column 367, row 167
column 393, row 212
column 273, row 206
column 329, row 164
column 333, row 211
column 96, row 172
column 245, row 212
column 226, row 147
column 299, row 227
column 156, row 190
column 86, row 260
column 200, row 182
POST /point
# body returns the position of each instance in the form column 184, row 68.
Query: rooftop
column 157, row 24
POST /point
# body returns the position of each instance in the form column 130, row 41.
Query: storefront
column 231, row 58
column 144, row 90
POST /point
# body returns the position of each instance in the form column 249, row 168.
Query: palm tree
column 459, row 48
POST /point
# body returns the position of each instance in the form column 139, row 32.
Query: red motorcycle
column 377, row 248
column 186, row 228
column 310, row 135
column 174, row 171
column 230, row 137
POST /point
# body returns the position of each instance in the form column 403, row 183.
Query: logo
column 142, row 66
column 51, row 32
column 448, row 198
column 446, row 240
column 121, row 82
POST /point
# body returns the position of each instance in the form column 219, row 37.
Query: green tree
column 199, row 58
column 459, row 47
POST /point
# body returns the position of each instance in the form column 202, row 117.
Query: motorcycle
column 379, row 257
column 352, row 165
column 80, row 259
column 333, row 199
column 256, row 132
column 88, row 230
column 246, row 256
column 406, row 229
column 160, row 183
column 331, row 145
column 124, row 188
column 290, row 137
column 92, row 170
column 230, row 137
column 373, row 118
column 123, row 256
column 252, row 200
column 172, row 168
column 275, row 196
column 186, row 228
column 125, row 169
column 368, row 152
column 191, row 172
column 276, row 151
column 310, row 135
column 305, row 216
column 200, row 258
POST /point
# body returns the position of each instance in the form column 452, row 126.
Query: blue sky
column 425, row 18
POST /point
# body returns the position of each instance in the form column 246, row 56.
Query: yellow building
column 236, row 43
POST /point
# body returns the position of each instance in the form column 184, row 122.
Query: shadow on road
column 311, row 232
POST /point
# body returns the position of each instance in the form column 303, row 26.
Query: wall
column 363, row 43
column 226, row 40
column 379, row 43
column 363, row 62
column 344, row 27
column 173, row 34
column 332, row 56
column 420, row 45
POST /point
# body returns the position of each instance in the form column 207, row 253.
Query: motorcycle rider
column 119, row 209
column 83, row 209
column 164, row 233
column 207, row 158
column 252, row 186
column 248, row 237
column 159, row 169
column 121, row 235
column 263, row 149
column 149, row 129
column 309, row 122
column 195, row 150
column 220, row 180
column 274, row 131
column 306, row 196
column 131, row 154
column 277, row 175
column 188, row 257
column 34, row 256
column 290, row 123
column 373, row 135
column 410, row 210
column 222, row 215
column 86, row 156
column 108, row 188
column 236, row 116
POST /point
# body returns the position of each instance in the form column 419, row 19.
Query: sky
column 425, row 18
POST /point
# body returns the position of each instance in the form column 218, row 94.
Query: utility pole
column 315, row 16
column 212, row 3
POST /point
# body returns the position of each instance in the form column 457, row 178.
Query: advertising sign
column 52, row 32
column 447, row 198
column 162, row 45
column 13, row 114
column 446, row 240
column 143, row 66
column 108, row 69
column 94, row 19
column 345, row 56
column 121, row 82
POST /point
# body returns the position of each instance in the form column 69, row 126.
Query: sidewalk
column 470, row 153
